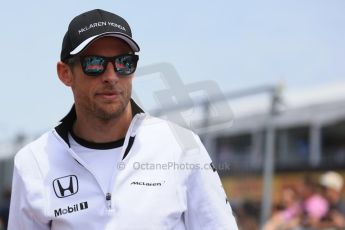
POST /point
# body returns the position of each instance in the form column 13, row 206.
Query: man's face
column 105, row 96
column 332, row 195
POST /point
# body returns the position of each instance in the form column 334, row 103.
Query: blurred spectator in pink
column 289, row 216
column 315, row 206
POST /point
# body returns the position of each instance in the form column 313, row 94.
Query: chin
column 109, row 112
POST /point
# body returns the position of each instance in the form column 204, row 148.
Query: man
column 91, row 172
column 333, row 182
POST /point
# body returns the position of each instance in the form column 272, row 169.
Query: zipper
column 108, row 200
column 124, row 147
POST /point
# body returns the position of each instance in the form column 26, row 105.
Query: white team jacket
column 164, row 181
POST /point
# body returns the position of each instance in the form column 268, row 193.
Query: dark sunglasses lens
column 126, row 64
column 93, row 65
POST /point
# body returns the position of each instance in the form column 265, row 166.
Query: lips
column 108, row 95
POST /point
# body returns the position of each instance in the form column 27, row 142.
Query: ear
column 65, row 73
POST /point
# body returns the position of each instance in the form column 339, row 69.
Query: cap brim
column 134, row 46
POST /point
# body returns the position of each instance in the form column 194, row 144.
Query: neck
column 96, row 130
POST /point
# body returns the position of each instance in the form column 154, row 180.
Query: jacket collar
column 67, row 122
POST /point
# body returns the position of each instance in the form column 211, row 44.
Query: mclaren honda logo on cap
column 100, row 24
column 65, row 186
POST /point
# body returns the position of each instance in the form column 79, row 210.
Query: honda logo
column 65, row 186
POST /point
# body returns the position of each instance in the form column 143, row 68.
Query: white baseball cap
column 332, row 180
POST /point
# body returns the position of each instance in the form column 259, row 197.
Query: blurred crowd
column 314, row 204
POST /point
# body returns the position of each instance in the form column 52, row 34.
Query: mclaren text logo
column 147, row 183
column 65, row 186
column 70, row 209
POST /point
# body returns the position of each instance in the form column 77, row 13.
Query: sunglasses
column 124, row 64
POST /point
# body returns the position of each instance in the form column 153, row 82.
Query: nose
column 109, row 75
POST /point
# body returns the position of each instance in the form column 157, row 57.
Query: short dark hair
column 71, row 61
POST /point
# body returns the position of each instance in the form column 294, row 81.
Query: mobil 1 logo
column 71, row 209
